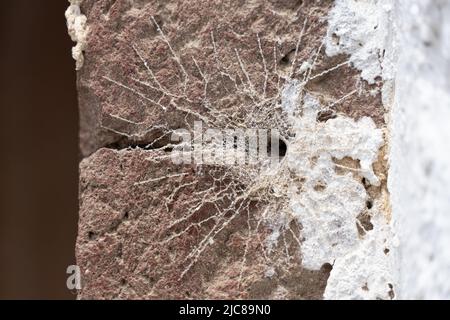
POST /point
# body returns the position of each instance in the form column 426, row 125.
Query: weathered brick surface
column 125, row 247
column 153, row 240
column 117, row 28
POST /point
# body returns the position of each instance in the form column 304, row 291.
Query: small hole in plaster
column 391, row 291
column 320, row 186
column 326, row 268
column 365, row 183
column 386, row 251
column 336, row 39
column 365, row 287
column 369, row 204
column 324, row 116
column 126, row 215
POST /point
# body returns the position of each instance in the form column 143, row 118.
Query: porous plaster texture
column 420, row 148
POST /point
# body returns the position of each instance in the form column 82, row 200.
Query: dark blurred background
column 39, row 151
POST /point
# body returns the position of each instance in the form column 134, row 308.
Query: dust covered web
column 277, row 202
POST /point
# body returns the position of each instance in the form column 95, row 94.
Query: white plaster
column 410, row 50
column 366, row 273
column 329, row 214
column 360, row 29
column 419, row 178
column 362, row 266
column 78, row 30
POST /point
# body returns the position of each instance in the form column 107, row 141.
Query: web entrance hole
column 279, row 146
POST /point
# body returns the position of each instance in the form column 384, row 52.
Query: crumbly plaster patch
column 360, row 29
column 78, row 30
column 327, row 204
column 328, row 215
column 366, row 272
column 362, row 265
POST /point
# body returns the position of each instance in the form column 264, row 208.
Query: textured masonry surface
column 317, row 225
